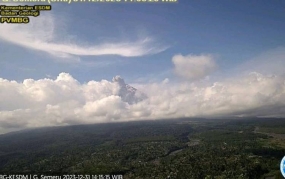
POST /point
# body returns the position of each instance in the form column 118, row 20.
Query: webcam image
column 142, row 89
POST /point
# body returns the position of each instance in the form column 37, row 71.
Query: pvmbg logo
column 282, row 166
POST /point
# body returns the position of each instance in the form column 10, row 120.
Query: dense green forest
column 182, row 148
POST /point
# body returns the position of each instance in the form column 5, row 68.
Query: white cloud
column 46, row 33
column 65, row 101
column 269, row 62
column 193, row 67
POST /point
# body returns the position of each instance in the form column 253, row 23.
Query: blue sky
column 234, row 31
column 201, row 58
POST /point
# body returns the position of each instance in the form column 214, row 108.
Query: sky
column 194, row 58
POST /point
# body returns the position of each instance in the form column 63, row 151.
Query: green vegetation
column 276, row 130
column 185, row 148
